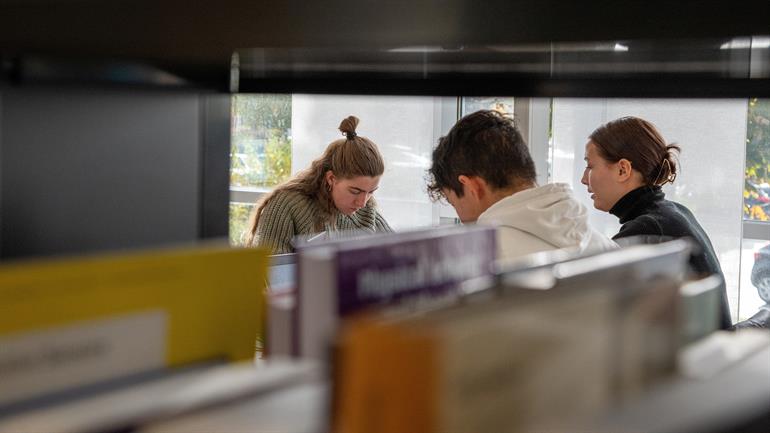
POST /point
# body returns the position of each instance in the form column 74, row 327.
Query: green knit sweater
column 290, row 213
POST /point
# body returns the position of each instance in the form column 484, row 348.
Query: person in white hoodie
column 484, row 170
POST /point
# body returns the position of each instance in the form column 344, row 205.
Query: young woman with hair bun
column 627, row 163
column 333, row 194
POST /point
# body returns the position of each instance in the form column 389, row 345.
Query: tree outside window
column 503, row 105
column 260, row 156
column 261, row 135
column 756, row 192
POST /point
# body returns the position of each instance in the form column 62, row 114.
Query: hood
column 548, row 212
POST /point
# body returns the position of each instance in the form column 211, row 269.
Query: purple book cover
column 428, row 267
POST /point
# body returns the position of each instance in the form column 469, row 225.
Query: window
column 712, row 134
column 756, row 207
column 404, row 128
column 261, row 141
column 502, row 105
column 260, row 156
column 275, row 136
column 756, row 191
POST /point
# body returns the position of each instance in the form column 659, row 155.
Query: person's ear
column 330, row 178
column 473, row 185
column 624, row 170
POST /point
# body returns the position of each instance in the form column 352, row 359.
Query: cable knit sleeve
column 276, row 226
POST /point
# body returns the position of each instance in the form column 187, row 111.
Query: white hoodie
column 540, row 219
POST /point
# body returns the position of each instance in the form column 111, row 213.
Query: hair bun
column 668, row 167
column 348, row 126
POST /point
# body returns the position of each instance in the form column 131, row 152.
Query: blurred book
column 719, row 351
column 548, row 359
column 281, row 302
column 166, row 400
column 338, row 278
column 724, row 386
column 281, row 309
column 645, row 282
column 79, row 324
column 516, row 364
column 282, row 273
column 298, row 403
column 700, row 308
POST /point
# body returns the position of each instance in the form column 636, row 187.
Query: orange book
column 502, row 366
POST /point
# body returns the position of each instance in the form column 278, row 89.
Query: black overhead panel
column 537, row 47
column 686, row 68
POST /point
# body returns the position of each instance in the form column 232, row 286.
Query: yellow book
column 66, row 323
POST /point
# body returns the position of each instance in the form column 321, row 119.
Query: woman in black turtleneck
column 627, row 162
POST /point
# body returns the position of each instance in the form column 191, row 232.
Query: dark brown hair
column 484, row 144
column 347, row 158
column 640, row 142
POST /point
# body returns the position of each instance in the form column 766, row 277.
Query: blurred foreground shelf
column 734, row 399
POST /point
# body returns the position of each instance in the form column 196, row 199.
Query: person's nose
column 584, row 179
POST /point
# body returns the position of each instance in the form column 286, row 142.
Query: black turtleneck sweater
column 645, row 212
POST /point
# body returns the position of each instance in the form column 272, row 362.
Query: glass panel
column 275, row 136
column 502, row 105
column 405, row 130
column 756, row 192
column 658, row 59
column 755, row 268
column 348, row 69
column 261, row 140
column 707, row 183
column 239, row 220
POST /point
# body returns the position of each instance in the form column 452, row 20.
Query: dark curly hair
column 484, row 144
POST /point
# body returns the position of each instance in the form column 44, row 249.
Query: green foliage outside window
column 503, row 105
column 239, row 221
column 756, row 192
column 261, row 136
column 260, row 157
